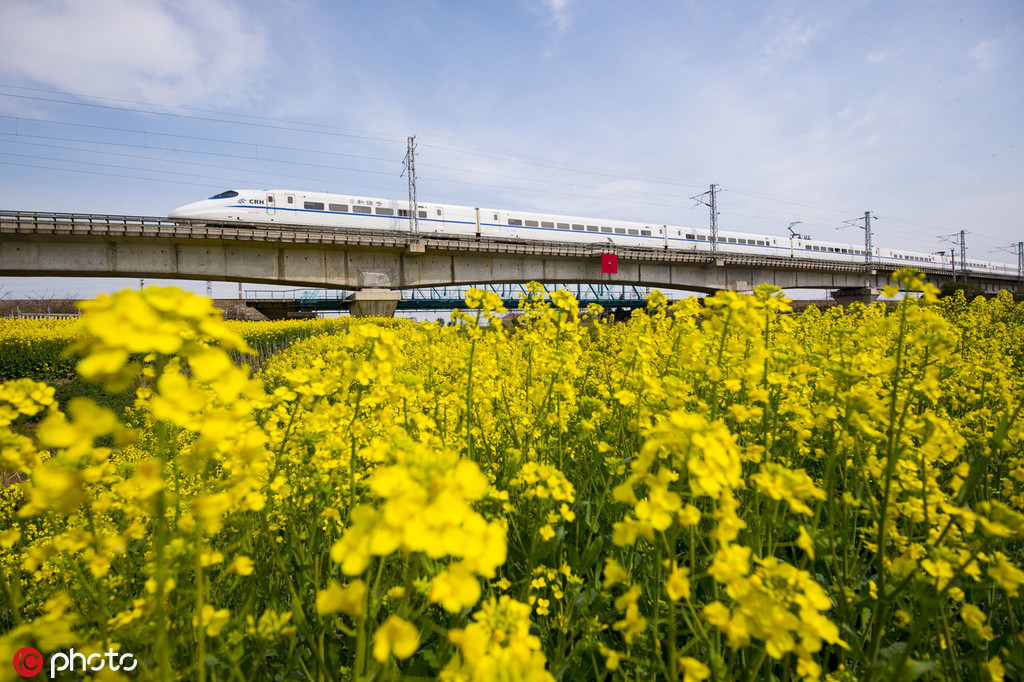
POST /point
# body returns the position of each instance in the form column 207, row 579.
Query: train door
column 271, row 206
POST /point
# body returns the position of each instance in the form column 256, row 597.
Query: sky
column 809, row 112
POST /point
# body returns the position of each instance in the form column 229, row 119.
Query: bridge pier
column 865, row 295
column 374, row 303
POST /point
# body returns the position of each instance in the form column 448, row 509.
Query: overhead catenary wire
column 263, row 152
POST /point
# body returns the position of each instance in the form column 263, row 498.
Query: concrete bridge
column 377, row 264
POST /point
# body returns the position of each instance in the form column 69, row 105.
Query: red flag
column 609, row 263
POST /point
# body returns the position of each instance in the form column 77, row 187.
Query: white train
column 288, row 207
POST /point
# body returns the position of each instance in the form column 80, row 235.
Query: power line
column 277, row 125
column 152, row 140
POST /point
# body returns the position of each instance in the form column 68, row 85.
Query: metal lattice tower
column 712, row 203
column 714, row 220
column 867, row 237
column 1020, row 262
column 410, row 169
column 963, row 252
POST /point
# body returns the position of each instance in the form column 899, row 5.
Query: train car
column 347, row 211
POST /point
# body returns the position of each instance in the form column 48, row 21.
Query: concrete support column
column 865, row 295
column 374, row 303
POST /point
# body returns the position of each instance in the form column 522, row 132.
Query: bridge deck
column 17, row 222
column 33, row 243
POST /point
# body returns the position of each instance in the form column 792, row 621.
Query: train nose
column 187, row 211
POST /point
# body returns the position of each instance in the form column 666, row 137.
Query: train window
column 809, row 247
column 225, row 195
column 545, row 223
column 701, row 237
column 577, row 227
column 341, row 208
column 403, row 213
column 515, row 222
column 620, row 230
column 360, row 209
column 291, row 200
column 563, row 226
column 313, row 205
column 760, row 242
column 385, row 211
column 593, row 228
column 495, row 216
column 606, row 229
column 531, row 223
column 732, row 240
column 742, row 241
column 422, row 214
column 438, row 211
column 645, row 233
column 689, row 236
column 634, row 231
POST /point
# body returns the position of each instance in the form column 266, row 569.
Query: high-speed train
column 289, row 207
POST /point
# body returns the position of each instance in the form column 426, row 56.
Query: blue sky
column 800, row 111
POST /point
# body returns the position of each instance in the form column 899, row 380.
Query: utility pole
column 951, row 238
column 712, row 203
column 867, row 234
column 963, row 252
column 410, row 168
column 867, row 237
column 1020, row 263
column 714, row 220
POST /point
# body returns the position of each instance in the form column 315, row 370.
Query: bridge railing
column 22, row 222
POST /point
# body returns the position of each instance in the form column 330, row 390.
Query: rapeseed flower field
column 716, row 491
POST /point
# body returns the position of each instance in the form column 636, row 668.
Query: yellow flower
column 242, row 565
column 805, row 542
column 693, row 670
column 975, row 618
column 455, row 588
column 612, row 658
column 613, row 573
column 350, row 599
column 212, row 620
column 1006, row 574
column 995, row 669
column 632, row 623
column 731, row 563
column 677, row 584
column 395, row 637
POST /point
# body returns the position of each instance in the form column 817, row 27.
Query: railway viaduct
column 378, row 264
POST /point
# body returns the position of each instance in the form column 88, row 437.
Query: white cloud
column 985, row 54
column 181, row 51
column 879, row 56
column 559, row 10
